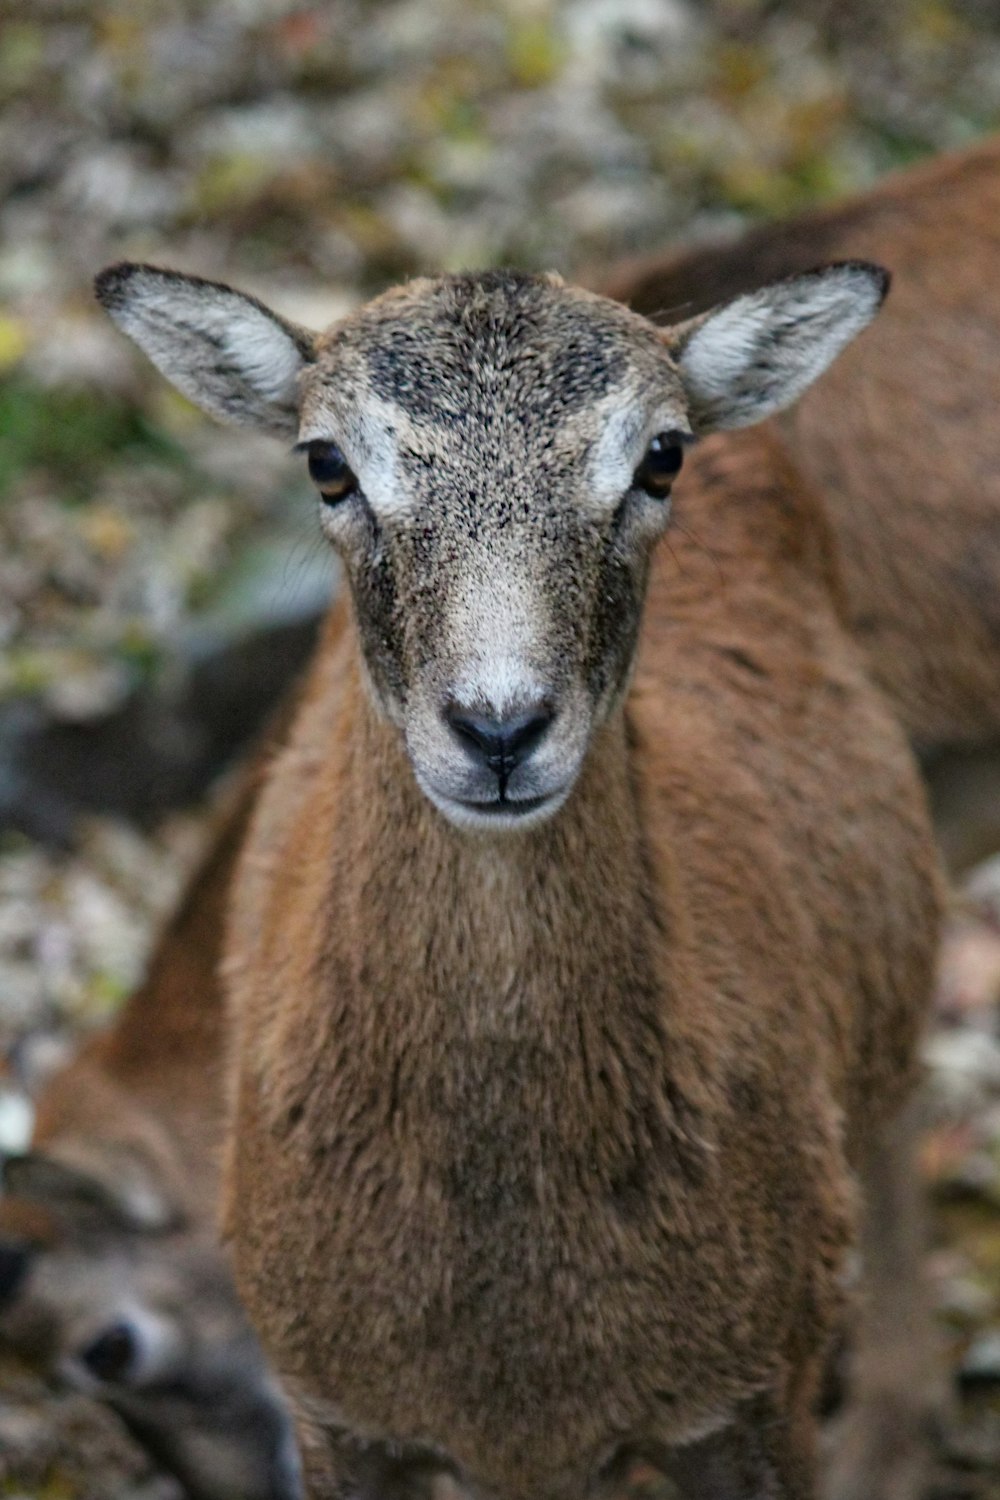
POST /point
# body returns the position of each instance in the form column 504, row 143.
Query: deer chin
column 498, row 814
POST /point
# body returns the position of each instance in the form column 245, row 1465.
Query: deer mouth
column 511, row 807
column 501, row 811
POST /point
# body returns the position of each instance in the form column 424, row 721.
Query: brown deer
column 900, row 438
column 924, row 248
column 572, row 986
column 111, row 1273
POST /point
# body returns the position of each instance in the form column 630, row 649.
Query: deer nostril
column 501, row 743
column 15, row 1260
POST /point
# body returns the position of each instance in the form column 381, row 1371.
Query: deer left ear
column 225, row 351
column 754, row 356
column 108, row 1187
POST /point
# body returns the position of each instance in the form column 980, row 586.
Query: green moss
column 140, row 650
column 22, row 56
column 534, row 52
column 71, row 434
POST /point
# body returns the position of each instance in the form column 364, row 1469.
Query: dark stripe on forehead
column 481, row 347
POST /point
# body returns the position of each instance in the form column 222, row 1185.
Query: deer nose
column 501, row 744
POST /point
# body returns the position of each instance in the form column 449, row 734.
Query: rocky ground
column 311, row 153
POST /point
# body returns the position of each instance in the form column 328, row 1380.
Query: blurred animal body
column 900, row 438
column 572, row 983
column 110, row 1268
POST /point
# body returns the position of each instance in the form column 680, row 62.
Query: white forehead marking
column 624, row 436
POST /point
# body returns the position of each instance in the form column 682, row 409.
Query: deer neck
column 494, row 997
column 512, row 930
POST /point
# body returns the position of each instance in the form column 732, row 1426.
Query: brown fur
column 552, row 1075
column 900, row 435
column 542, row 1147
column 149, row 1087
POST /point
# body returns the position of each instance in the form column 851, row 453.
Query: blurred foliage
column 66, row 435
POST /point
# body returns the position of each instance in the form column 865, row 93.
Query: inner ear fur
column 223, row 349
column 756, row 354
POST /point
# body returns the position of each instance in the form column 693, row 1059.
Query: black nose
column 500, row 744
column 112, row 1354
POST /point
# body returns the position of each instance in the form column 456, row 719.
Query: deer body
column 566, row 996
column 566, row 1157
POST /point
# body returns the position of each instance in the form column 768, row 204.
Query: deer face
column 495, row 529
column 145, row 1321
column 494, row 456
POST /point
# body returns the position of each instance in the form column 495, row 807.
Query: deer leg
column 880, row 1446
column 767, row 1453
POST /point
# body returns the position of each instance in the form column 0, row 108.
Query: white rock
column 964, row 1054
column 982, row 1358
column 17, row 1118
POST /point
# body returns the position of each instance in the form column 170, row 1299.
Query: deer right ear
column 225, row 351
column 754, row 356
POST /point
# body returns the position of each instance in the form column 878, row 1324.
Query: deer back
column 899, row 435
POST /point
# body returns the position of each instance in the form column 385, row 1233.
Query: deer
column 579, row 948
column 901, row 222
column 111, row 1275
column 899, row 437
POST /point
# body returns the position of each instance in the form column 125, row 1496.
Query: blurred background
column 159, row 576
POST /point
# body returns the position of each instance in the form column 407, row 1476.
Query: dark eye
column 15, row 1262
column 330, row 472
column 112, row 1354
column 661, row 465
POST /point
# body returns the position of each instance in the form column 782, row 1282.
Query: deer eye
column 330, row 472
column 660, row 466
column 112, row 1355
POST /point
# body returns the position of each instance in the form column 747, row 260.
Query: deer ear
column 753, row 356
column 225, row 351
column 107, row 1186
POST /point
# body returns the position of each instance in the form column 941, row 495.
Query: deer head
column 494, row 456
column 106, row 1289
